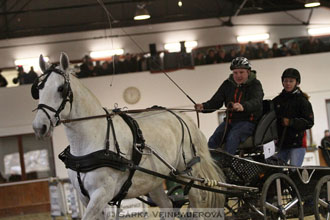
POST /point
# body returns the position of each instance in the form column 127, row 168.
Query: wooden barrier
column 323, row 163
column 24, row 198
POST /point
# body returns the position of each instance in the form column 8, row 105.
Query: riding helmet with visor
column 291, row 73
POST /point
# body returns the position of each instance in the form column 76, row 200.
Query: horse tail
column 207, row 169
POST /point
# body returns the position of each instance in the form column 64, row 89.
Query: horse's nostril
column 43, row 129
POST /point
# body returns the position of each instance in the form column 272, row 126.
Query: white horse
column 162, row 132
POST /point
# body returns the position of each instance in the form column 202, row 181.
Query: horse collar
column 108, row 158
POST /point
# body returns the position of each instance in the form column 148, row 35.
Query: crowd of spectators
column 222, row 54
column 126, row 64
column 25, row 78
column 207, row 55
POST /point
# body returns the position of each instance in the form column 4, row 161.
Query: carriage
column 273, row 189
column 107, row 148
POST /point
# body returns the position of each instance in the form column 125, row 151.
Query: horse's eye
column 60, row 89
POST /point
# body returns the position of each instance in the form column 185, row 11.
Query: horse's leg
column 159, row 196
column 97, row 203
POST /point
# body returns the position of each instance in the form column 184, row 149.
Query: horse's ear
column 42, row 63
column 64, row 61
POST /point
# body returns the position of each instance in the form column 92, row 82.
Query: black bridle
column 67, row 94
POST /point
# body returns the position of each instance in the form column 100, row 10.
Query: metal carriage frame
column 274, row 190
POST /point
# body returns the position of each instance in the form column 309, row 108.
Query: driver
column 243, row 94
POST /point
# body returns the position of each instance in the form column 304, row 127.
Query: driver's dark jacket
column 296, row 107
column 249, row 95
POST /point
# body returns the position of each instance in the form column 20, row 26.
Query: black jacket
column 249, row 94
column 298, row 109
column 325, row 142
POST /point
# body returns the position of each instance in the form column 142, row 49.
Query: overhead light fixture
column 141, row 12
column 312, row 3
column 319, row 31
column 26, row 63
column 172, row 47
column 190, row 45
column 252, row 38
column 105, row 53
column 176, row 47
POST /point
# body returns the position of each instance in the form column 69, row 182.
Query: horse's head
column 53, row 90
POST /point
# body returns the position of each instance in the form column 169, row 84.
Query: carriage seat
column 265, row 131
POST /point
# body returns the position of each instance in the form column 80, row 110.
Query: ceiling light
column 252, row 38
column 105, row 53
column 26, row 63
column 141, row 12
column 172, row 47
column 176, row 47
column 312, row 3
column 319, row 31
column 190, row 45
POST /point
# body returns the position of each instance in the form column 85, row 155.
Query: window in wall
column 328, row 112
column 23, row 157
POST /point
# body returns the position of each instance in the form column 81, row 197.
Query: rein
column 118, row 112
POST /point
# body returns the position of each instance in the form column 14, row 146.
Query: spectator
column 312, row 45
column 267, row 53
column 242, row 93
column 295, row 49
column 320, row 46
column 105, row 69
column 210, row 57
column 21, row 75
column 3, row 81
column 84, row 69
column 142, row 62
column 199, row 59
column 242, row 51
column 325, row 142
column 31, row 76
column 129, row 64
column 260, row 51
column 231, row 55
column 221, row 58
column 285, row 51
column 276, row 50
column 116, row 66
column 91, row 69
column 97, row 69
column 250, row 48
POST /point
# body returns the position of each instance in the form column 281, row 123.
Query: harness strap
column 195, row 158
column 107, row 142
column 189, row 166
column 115, row 138
column 68, row 96
column 238, row 193
column 136, row 157
column 81, row 185
column 187, row 187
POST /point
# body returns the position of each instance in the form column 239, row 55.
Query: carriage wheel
column 280, row 198
column 322, row 198
column 236, row 209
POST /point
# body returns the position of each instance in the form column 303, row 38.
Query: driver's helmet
column 240, row 63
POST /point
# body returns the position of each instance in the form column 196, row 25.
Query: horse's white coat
column 161, row 130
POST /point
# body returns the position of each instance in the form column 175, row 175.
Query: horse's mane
column 74, row 78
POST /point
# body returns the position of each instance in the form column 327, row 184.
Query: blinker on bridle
column 67, row 94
